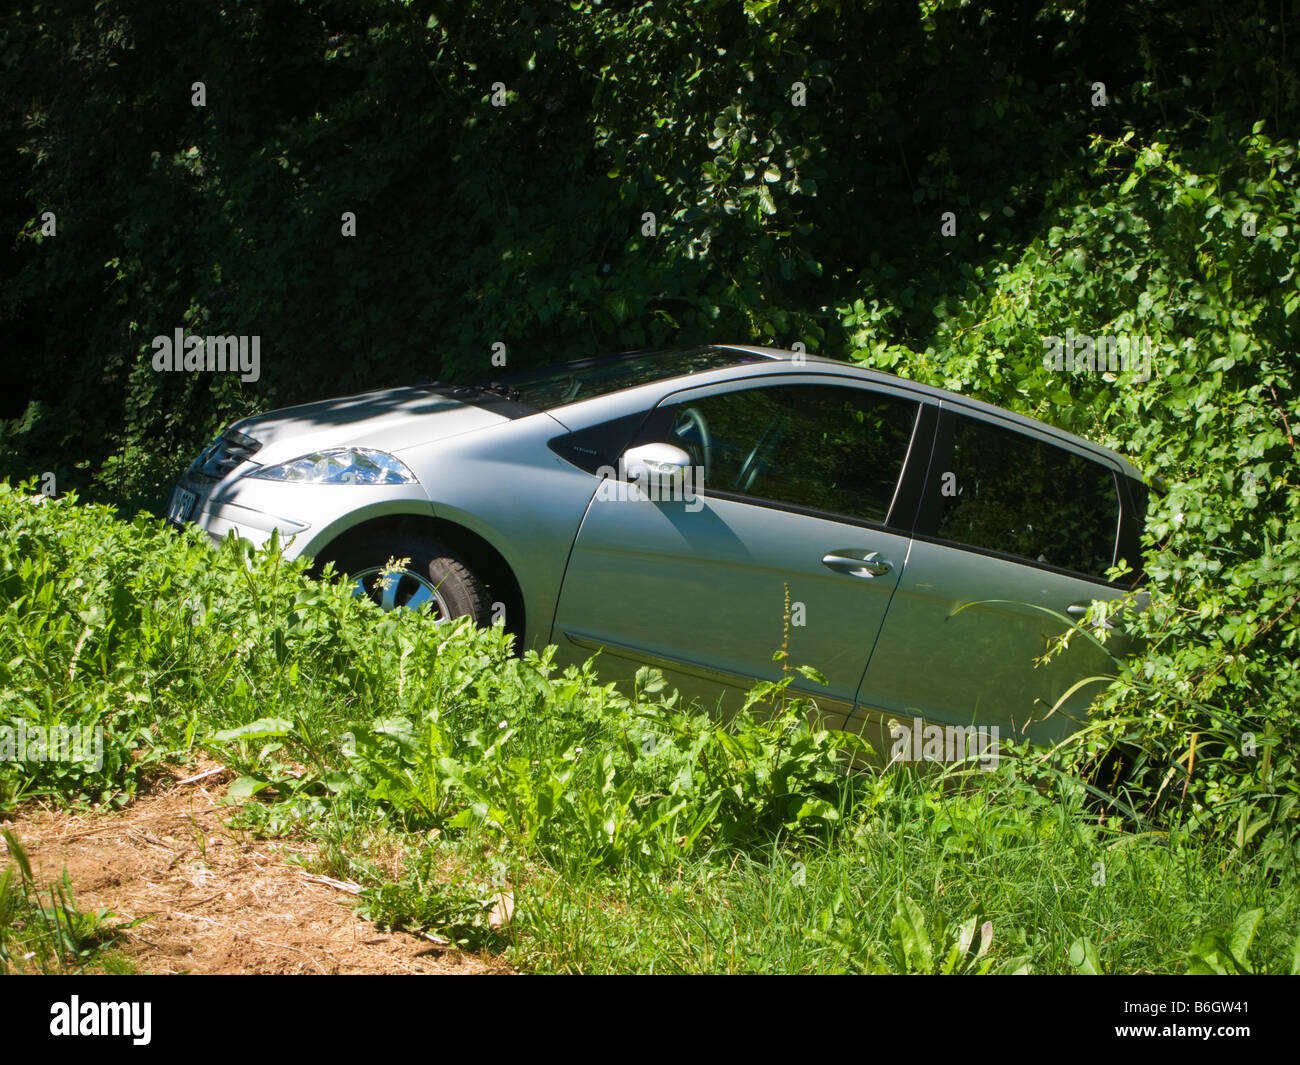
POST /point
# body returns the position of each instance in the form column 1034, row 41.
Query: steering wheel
column 690, row 418
column 772, row 436
column 745, row 478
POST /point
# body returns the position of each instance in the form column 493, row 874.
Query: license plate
column 181, row 507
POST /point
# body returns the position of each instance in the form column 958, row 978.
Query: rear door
column 1009, row 521
column 802, row 489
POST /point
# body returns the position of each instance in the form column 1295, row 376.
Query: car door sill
column 828, row 703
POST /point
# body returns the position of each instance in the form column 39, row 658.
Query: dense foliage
column 796, row 159
column 1210, row 709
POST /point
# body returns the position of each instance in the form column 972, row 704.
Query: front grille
column 226, row 453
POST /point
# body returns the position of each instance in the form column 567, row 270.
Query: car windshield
column 557, row 385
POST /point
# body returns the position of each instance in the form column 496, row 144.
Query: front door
column 800, row 501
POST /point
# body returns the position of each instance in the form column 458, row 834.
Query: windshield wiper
column 492, row 388
column 496, row 388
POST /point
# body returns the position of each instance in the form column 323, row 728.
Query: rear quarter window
column 1009, row 492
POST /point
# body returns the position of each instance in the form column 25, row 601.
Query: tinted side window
column 817, row 446
column 1029, row 498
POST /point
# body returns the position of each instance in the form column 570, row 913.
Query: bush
column 1193, row 251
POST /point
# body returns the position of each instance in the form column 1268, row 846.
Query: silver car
column 697, row 510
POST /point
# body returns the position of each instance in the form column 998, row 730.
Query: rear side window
column 1022, row 496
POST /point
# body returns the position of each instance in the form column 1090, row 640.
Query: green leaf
column 262, row 728
column 813, row 674
column 908, row 927
column 1242, row 934
column 650, row 681
column 1083, row 957
column 246, row 788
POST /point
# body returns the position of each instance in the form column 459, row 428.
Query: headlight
column 340, row 465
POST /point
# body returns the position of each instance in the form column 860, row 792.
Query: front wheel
column 432, row 576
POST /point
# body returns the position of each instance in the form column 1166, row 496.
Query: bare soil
column 215, row 899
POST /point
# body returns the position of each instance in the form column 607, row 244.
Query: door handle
column 857, row 563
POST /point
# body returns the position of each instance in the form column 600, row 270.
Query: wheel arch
column 480, row 555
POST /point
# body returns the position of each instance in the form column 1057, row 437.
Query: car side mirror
column 657, row 466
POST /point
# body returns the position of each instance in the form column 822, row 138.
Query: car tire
column 435, row 573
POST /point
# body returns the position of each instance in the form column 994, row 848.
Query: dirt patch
column 217, row 900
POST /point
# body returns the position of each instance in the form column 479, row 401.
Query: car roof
column 941, row 395
column 759, row 361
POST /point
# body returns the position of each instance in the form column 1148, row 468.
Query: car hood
column 385, row 420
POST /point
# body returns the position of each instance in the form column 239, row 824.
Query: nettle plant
column 1197, row 255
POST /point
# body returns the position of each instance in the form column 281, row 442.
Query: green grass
column 631, row 834
column 1003, row 853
